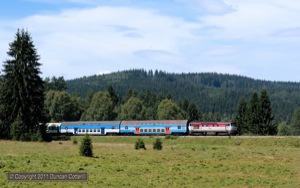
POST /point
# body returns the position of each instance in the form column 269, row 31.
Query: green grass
column 183, row 162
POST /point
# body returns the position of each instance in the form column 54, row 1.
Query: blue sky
column 75, row 38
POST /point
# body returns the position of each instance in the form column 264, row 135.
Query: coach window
column 150, row 130
column 98, row 130
column 179, row 127
column 113, row 127
column 79, row 130
column 126, row 127
column 141, row 130
column 154, row 130
column 162, row 130
column 94, row 130
column 145, row 130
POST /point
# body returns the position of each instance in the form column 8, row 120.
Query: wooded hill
column 211, row 92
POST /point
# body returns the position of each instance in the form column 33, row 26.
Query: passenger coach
column 154, row 127
column 85, row 127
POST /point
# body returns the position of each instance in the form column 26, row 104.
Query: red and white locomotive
column 212, row 128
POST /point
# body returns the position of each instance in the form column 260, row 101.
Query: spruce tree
column 193, row 112
column 242, row 118
column 22, row 91
column 86, row 147
column 157, row 145
column 295, row 123
column 253, row 114
column 266, row 127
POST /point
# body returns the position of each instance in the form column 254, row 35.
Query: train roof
column 155, row 122
column 211, row 122
column 69, row 123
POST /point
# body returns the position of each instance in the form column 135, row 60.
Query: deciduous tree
column 168, row 109
column 132, row 109
column 101, row 108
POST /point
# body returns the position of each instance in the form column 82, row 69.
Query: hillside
column 212, row 92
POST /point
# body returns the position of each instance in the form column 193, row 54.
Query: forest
column 259, row 107
column 210, row 92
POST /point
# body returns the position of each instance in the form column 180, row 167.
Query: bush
column 157, row 145
column 74, row 141
column 139, row 144
column 86, row 148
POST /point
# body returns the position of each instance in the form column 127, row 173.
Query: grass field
column 183, row 162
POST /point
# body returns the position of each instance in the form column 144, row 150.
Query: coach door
column 102, row 131
column 137, row 130
column 75, row 131
column 167, row 130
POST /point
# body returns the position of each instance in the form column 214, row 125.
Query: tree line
column 27, row 101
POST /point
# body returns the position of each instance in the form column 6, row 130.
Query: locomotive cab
column 53, row 128
column 231, row 128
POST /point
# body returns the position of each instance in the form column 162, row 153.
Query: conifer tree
column 22, row 92
column 86, row 147
column 266, row 127
column 295, row 123
column 242, row 117
column 193, row 112
column 253, row 114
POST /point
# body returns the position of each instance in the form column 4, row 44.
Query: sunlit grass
column 183, row 162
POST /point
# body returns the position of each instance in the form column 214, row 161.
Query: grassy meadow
column 183, row 162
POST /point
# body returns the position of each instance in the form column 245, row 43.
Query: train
column 145, row 127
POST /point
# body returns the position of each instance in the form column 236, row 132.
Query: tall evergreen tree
column 184, row 104
column 193, row 112
column 254, row 110
column 295, row 123
column 22, row 93
column 113, row 95
column 242, row 118
column 266, row 117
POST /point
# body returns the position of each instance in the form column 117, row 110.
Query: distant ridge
column 211, row 92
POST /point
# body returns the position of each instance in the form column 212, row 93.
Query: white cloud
column 255, row 19
column 230, row 36
column 84, row 41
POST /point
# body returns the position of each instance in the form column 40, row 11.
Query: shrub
column 139, row 144
column 86, row 148
column 157, row 145
column 74, row 141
